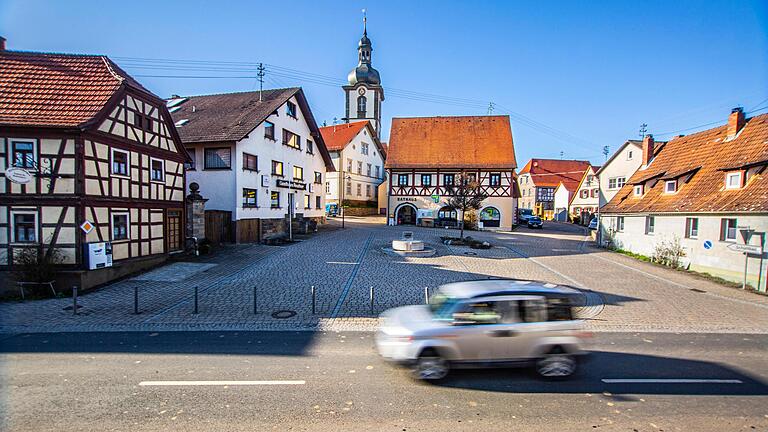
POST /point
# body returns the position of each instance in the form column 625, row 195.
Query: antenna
column 260, row 74
column 605, row 152
column 562, row 153
column 491, row 107
column 643, row 130
column 365, row 23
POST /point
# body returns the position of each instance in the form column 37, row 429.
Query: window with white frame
column 670, row 186
column 157, row 169
column 733, row 180
column 327, row 188
column 307, row 201
column 359, row 189
column 368, row 190
column 426, row 180
column 638, row 190
column 120, row 162
column 620, row 223
column 318, row 177
column 629, row 155
column 23, row 154
column 368, row 170
column 691, row 228
column 349, row 165
column 349, row 188
column 310, row 147
column 290, row 109
column 376, row 171
column 364, row 148
column 120, row 226
column 318, row 202
column 650, row 224
column 269, row 130
column 24, row 227
column 360, row 167
column 298, row 173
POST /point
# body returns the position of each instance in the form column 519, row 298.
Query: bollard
column 313, row 299
column 426, row 295
column 372, row 301
column 136, row 299
column 74, row 300
column 196, row 310
column 255, row 309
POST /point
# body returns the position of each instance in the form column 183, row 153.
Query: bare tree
column 466, row 194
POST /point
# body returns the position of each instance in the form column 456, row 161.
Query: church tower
column 364, row 93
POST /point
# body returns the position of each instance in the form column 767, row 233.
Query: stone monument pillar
column 195, row 213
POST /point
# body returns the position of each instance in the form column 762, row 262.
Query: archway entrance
column 490, row 217
column 406, row 215
column 447, row 216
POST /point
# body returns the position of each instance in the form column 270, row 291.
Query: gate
column 218, row 226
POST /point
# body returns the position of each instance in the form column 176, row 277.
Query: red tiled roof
column 551, row 172
column 451, row 142
column 58, row 90
column 701, row 160
column 337, row 137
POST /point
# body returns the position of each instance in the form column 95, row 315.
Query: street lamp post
column 343, row 190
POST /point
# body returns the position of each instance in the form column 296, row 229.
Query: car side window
column 484, row 312
column 534, row 310
column 559, row 310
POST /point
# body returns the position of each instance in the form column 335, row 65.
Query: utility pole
column 260, row 74
column 562, row 153
column 491, row 107
column 605, row 152
column 643, row 130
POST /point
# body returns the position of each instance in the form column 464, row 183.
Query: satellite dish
column 18, row 175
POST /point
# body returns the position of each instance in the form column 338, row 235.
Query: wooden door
column 173, row 230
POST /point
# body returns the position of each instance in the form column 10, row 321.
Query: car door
column 477, row 331
column 530, row 327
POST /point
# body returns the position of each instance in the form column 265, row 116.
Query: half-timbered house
column 426, row 157
column 87, row 155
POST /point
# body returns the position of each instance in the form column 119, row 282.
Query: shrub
column 668, row 252
column 37, row 265
column 470, row 219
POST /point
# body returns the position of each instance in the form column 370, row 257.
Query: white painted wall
column 626, row 162
column 589, row 186
column 718, row 260
column 562, row 196
column 353, row 151
column 224, row 188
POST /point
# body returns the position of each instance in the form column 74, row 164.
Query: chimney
column 648, row 144
column 735, row 122
column 2, row 43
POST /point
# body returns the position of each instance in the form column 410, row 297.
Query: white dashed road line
column 669, row 381
column 217, row 383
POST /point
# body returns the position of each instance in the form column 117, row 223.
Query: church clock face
column 361, row 91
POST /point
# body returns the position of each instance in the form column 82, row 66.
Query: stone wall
column 361, row 211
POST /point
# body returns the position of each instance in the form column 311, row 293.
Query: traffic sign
column 753, row 249
column 707, row 244
column 87, row 226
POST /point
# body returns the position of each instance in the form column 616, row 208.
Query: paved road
column 86, row 382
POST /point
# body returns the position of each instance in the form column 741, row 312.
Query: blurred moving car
column 486, row 323
column 535, row 222
column 593, row 223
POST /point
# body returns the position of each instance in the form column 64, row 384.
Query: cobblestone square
column 344, row 266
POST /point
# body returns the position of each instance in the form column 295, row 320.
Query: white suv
column 486, row 323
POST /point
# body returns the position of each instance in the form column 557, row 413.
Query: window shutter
column 723, row 227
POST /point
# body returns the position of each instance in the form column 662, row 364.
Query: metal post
column 746, row 262
column 313, row 299
column 196, row 309
column 255, row 308
column 136, row 299
column 426, row 295
column 74, row 300
column 372, row 301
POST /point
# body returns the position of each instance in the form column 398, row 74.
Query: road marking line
column 219, row 383
column 670, row 381
column 352, row 276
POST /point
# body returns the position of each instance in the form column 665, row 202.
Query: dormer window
column 733, row 180
column 638, row 190
column 670, row 186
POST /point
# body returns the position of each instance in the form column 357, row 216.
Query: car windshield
column 441, row 305
column 535, row 219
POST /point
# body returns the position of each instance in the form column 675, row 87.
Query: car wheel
column 430, row 367
column 558, row 365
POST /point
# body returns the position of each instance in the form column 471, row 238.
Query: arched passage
column 490, row 217
column 405, row 214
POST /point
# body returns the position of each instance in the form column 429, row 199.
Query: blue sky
column 575, row 76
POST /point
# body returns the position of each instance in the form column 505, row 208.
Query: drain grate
column 283, row 314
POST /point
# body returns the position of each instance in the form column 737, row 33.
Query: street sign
column 18, row 175
column 707, row 244
column 753, row 249
column 746, row 233
column 87, row 226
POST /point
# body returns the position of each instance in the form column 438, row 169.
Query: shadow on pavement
column 612, row 365
column 224, row 342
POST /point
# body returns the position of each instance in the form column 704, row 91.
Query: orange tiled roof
column 551, row 172
column 451, row 142
column 337, row 137
column 702, row 159
column 58, row 90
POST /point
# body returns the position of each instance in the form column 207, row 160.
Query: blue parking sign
column 707, row 244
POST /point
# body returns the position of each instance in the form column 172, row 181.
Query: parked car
column 486, row 323
column 535, row 222
column 593, row 223
column 331, row 209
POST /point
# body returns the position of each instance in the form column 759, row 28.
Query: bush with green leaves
column 669, row 252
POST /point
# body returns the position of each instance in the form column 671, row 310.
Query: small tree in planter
column 466, row 196
column 37, row 265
